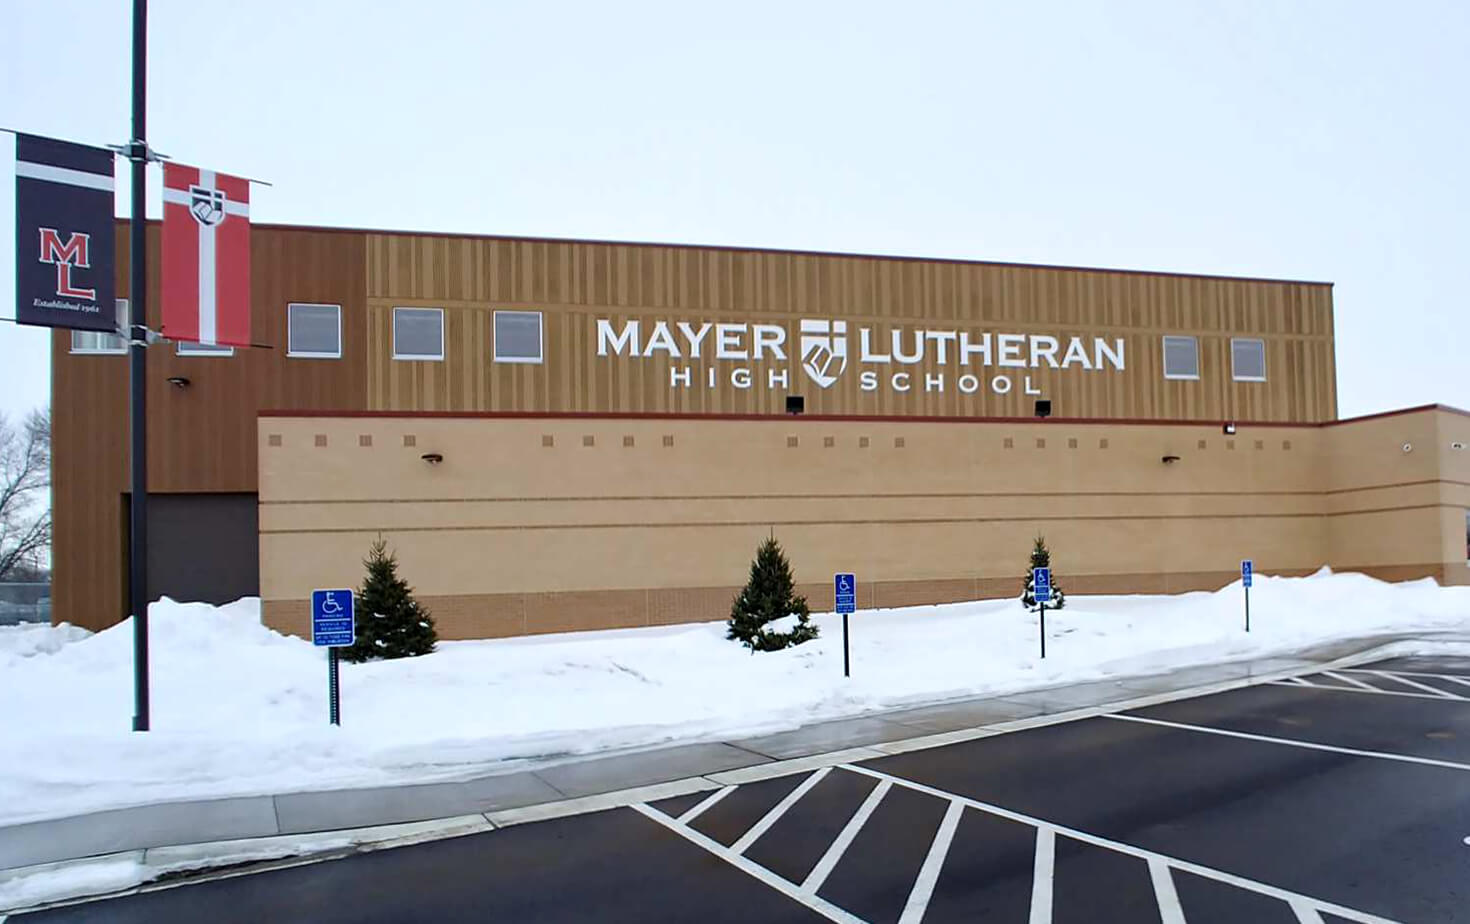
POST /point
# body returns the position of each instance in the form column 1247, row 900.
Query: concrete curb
column 124, row 872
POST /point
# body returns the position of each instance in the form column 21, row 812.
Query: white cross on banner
column 206, row 256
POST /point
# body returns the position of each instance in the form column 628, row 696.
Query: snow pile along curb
column 241, row 710
column 120, row 873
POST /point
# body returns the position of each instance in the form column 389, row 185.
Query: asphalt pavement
column 1341, row 796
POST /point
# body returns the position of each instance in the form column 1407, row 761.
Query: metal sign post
column 332, row 627
column 1041, row 591
column 138, row 370
column 1247, row 571
column 845, row 588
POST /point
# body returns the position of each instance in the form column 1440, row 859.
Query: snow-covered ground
column 241, row 710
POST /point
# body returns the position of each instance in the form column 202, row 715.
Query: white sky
column 1307, row 140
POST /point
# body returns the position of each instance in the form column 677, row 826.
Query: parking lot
column 1337, row 796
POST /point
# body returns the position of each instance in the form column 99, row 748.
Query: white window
column 418, row 333
column 1181, row 358
column 190, row 348
column 1247, row 359
column 518, row 336
column 101, row 342
column 314, row 331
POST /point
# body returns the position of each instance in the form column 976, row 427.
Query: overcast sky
column 1304, row 140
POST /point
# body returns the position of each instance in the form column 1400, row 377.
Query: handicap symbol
column 844, row 585
column 330, row 606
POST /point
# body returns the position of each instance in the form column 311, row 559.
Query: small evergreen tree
column 769, row 595
column 1041, row 558
column 390, row 622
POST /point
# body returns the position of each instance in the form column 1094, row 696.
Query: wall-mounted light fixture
column 1229, row 428
column 1043, row 407
column 179, row 381
column 796, row 404
column 433, row 458
column 1170, row 460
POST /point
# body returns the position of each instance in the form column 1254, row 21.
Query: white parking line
column 824, row 866
column 774, row 815
column 704, row 804
column 1043, row 874
column 1306, row 914
column 1357, row 692
column 823, row 907
column 1414, row 683
column 1453, row 678
column 1462, row 681
column 1293, row 742
column 1170, row 911
column 1174, row 863
column 923, row 890
column 1352, row 680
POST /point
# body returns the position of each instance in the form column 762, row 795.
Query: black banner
column 63, row 235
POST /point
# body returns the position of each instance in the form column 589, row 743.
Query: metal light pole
column 138, row 367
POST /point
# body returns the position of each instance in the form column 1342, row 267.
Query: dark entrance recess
column 202, row 547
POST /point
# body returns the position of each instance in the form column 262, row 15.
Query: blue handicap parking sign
column 845, row 587
column 332, row 625
column 1041, row 584
column 1247, row 570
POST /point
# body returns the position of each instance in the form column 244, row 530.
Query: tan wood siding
column 574, row 284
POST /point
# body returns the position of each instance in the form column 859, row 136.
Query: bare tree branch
column 25, row 483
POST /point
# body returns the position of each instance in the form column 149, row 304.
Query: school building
column 558, row 435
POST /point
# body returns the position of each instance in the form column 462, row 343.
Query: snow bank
column 29, row 639
column 95, row 876
column 239, row 709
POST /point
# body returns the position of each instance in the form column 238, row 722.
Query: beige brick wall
column 548, row 524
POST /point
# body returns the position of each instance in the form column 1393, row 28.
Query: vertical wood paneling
column 574, row 284
column 201, row 438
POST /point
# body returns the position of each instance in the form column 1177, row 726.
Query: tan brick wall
column 509, row 535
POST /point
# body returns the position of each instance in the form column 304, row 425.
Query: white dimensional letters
column 662, row 340
column 769, row 337
column 762, row 358
column 1010, row 350
column 729, row 342
column 627, row 340
column 694, row 338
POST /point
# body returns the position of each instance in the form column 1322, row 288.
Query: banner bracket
column 127, row 151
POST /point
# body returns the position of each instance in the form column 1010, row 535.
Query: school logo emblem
column 823, row 350
column 66, row 256
column 207, row 205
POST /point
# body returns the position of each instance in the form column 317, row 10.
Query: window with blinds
column 1181, row 358
column 418, row 333
column 517, row 337
column 100, row 342
column 1247, row 360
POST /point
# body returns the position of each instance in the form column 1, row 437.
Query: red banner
column 206, row 256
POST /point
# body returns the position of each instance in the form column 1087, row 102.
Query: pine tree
column 1041, row 558
column 390, row 622
column 769, row 595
